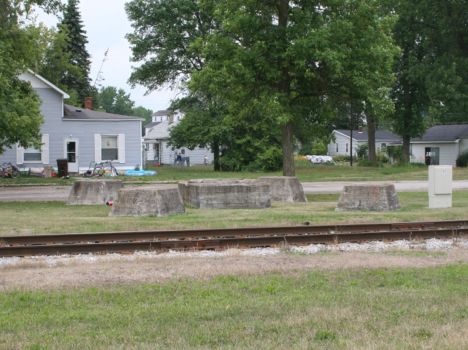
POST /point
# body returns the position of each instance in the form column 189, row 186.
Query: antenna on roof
column 99, row 76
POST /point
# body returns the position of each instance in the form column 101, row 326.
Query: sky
column 106, row 25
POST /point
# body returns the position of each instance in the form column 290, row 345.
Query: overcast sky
column 106, row 25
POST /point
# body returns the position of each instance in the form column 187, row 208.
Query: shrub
column 395, row 153
column 362, row 151
column 462, row 160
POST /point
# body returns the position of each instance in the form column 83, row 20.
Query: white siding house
column 77, row 134
column 440, row 145
column 342, row 143
column 156, row 142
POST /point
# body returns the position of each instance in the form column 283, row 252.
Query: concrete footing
column 285, row 188
column 369, row 198
column 226, row 194
column 93, row 191
column 150, row 200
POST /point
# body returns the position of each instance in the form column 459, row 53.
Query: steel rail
column 226, row 242
column 130, row 236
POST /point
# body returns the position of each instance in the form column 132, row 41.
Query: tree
column 71, row 26
column 410, row 91
column 289, row 59
column 144, row 113
column 431, row 84
column 114, row 100
column 168, row 38
column 20, row 117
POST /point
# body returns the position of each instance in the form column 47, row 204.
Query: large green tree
column 20, row 117
column 289, row 59
column 432, row 83
column 168, row 40
column 74, row 51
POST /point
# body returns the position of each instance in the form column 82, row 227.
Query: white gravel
column 375, row 246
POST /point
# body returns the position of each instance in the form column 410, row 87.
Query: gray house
column 81, row 136
column 440, row 144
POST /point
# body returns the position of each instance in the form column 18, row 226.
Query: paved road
column 400, row 186
column 60, row 193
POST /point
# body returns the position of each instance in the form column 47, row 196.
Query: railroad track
column 215, row 239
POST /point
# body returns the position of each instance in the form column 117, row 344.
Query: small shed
column 440, row 145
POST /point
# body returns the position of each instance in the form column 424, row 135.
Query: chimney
column 88, row 103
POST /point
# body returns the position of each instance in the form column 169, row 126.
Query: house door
column 71, row 153
column 156, row 149
column 432, row 155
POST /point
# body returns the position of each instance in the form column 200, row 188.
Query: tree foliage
column 70, row 50
column 20, row 117
column 276, row 67
column 432, row 84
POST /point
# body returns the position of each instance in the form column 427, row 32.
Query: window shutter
column 121, row 143
column 97, row 148
column 45, row 149
column 19, row 154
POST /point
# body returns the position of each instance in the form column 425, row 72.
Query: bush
column 341, row 158
column 362, row 151
column 395, row 153
column 462, row 160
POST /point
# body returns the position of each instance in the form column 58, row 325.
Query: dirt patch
column 77, row 272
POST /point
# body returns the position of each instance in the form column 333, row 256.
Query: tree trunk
column 215, row 149
column 288, row 154
column 406, row 149
column 284, row 87
column 371, row 138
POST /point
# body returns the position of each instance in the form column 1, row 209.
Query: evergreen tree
column 75, row 79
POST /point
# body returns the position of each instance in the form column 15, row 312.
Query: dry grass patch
column 370, row 309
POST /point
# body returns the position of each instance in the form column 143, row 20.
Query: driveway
column 60, row 193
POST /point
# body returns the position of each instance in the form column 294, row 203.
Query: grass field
column 366, row 309
column 55, row 217
column 305, row 171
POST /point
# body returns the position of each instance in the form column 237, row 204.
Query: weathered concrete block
column 369, row 197
column 150, row 200
column 94, row 191
column 285, row 188
column 228, row 194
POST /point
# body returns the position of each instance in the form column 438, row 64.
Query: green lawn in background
column 366, row 309
column 22, row 218
column 305, row 171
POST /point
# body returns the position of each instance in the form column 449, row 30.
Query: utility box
column 440, row 186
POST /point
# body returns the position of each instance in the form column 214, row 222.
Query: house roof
column 44, row 81
column 161, row 113
column 380, row 135
column 150, row 125
column 72, row 112
column 444, row 133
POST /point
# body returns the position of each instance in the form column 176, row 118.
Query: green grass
column 367, row 309
column 22, row 218
column 305, row 171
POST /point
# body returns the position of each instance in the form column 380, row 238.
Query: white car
column 320, row 159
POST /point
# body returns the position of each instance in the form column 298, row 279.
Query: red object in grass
column 109, row 203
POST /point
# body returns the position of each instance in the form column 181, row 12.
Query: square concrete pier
column 94, row 191
column 150, row 200
column 226, row 194
column 369, row 198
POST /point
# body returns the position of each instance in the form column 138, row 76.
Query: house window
column 383, row 146
column 109, row 147
column 336, row 148
column 32, row 155
column 346, row 148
